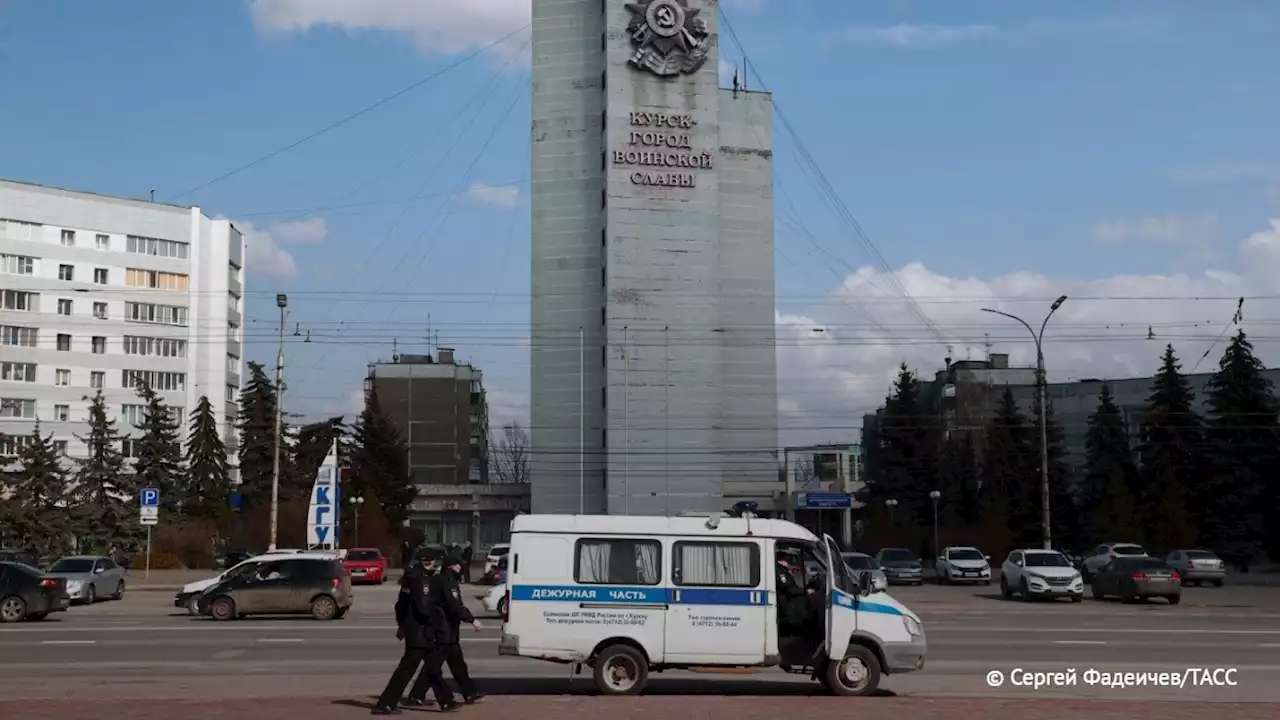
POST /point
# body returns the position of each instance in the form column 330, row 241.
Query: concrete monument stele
column 669, row 37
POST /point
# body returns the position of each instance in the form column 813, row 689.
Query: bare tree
column 510, row 462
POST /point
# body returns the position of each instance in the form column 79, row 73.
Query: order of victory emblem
column 669, row 37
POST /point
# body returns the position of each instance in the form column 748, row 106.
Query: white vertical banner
column 322, row 515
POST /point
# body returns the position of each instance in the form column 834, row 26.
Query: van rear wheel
column 855, row 676
column 621, row 670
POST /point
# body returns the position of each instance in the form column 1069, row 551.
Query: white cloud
column 828, row 379
column 917, row 36
column 1198, row 235
column 500, row 195
column 264, row 256
column 445, row 26
column 299, row 232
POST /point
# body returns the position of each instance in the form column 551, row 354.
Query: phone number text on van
column 590, row 617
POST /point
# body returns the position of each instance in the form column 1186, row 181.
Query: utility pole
column 282, row 302
column 1046, row 538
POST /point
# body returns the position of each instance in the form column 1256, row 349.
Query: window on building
column 100, row 310
column 617, row 562
column 154, row 279
column 233, row 363
column 100, row 276
column 129, row 448
column 67, row 272
column 62, row 413
column 13, row 445
column 17, row 300
column 154, row 379
column 19, row 408
column 69, row 238
column 716, row 564
column 99, row 345
column 157, row 248
column 19, row 230
column 132, row 415
column 64, row 306
column 64, row 342
column 61, row 377
column 102, row 242
column 232, row 391
column 18, row 372
column 161, row 347
column 60, row 447
column 233, row 302
column 97, row 379
column 17, row 265
column 16, row 336
column 152, row 313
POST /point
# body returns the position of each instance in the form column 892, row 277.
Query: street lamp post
column 934, row 495
column 357, row 502
column 1045, row 529
column 891, row 504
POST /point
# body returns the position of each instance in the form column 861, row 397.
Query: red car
column 365, row 566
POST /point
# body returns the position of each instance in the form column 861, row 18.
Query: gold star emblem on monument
column 669, row 37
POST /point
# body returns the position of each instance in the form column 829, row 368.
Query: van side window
column 716, row 564
column 617, row 562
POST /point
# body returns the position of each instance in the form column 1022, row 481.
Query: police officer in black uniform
column 444, row 587
column 792, row 609
column 419, row 619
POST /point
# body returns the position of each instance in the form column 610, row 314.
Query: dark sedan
column 1137, row 578
column 28, row 594
column 901, row 566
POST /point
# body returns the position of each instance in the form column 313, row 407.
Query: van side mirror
column 865, row 583
column 987, row 558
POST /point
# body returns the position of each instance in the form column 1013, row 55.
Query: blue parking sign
column 150, row 497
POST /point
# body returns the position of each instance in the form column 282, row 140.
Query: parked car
column 495, row 599
column 1198, row 567
column 958, row 564
column 1033, row 573
column 90, row 577
column 366, row 565
column 188, row 597
column 28, row 594
column 901, row 566
column 1105, row 553
column 315, row 586
column 496, row 553
column 1137, row 578
column 20, row 556
column 858, row 562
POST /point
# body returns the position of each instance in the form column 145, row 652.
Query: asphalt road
column 141, row 648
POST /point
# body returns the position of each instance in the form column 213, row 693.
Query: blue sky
column 992, row 151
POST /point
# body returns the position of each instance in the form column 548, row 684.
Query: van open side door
column 842, row 595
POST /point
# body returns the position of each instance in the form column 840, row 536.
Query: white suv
column 963, row 564
column 1105, row 553
column 1034, row 573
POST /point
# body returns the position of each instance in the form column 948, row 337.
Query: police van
column 627, row 596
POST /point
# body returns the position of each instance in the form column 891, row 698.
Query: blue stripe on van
column 631, row 594
column 845, row 599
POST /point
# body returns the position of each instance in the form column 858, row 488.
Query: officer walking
column 420, row 620
column 444, row 588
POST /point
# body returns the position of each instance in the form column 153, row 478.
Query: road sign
column 149, row 520
column 149, row 511
column 150, row 497
column 824, row 500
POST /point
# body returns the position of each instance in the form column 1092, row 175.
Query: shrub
column 159, row 561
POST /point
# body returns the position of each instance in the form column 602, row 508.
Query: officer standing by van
column 445, row 589
column 419, row 620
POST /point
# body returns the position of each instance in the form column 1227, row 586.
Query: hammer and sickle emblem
column 665, row 16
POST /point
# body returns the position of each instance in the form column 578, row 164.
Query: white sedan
column 495, row 599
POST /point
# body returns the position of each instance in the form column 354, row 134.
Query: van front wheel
column 621, row 670
column 857, row 675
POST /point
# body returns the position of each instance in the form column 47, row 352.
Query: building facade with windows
column 653, row 363
column 101, row 293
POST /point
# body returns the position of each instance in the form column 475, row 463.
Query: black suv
column 319, row 587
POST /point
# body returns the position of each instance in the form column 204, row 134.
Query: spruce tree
column 1009, row 476
column 105, row 498
column 380, row 461
column 1064, row 519
column 257, row 426
column 1110, row 474
column 208, row 487
column 158, row 459
column 1171, row 454
column 39, row 492
column 1244, row 452
column 906, row 458
column 312, row 444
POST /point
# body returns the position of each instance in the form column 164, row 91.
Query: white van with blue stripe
column 627, row 596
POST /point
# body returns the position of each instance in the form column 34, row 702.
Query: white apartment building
column 97, row 293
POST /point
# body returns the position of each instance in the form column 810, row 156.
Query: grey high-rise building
column 654, row 382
